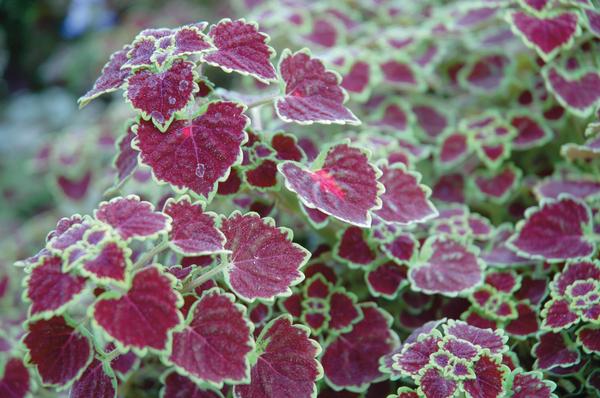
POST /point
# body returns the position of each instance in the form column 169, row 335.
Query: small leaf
column 555, row 231
column 49, row 289
column 241, row 48
column 495, row 341
column 264, row 262
column 387, row 279
column 110, row 263
column 194, row 231
column 353, row 248
column 111, row 78
column 557, row 315
column 144, row 317
column 523, row 384
column 498, row 185
column 585, row 188
column 58, row 351
column 189, row 40
column 312, row 93
column 214, row 345
column 589, row 338
column 342, row 183
column 158, row 96
column 447, row 267
column 178, row 386
column 199, row 153
column 489, row 377
column 98, row 381
column 133, row 218
column 553, row 349
column 578, row 92
column 286, row 363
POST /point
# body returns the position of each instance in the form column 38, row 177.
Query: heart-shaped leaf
column 214, row 345
column 110, row 263
column 177, row 386
column 286, row 364
column 199, row 153
column 49, row 289
column 132, row 218
column 342, row 183
column 555, row 231
column 549, row 34
column 194, row 231
column 579, row 92
column 447, row 267
column 351, row 360
column 387, row 279
column 264, row 262
column 58, row 351
column 404, row 201
column 144, row 317
column 312, row 93
column 175, row 87
column 241, row 48
column 353, row 247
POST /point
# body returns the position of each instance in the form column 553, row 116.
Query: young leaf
column 144, row 317
column 387, row 279
column 447, row 267
column 578, row 92
column 489, row 377
column 215, row 344
column 241, row 48
column 351, row 360
column 286, row 363
column 199, row 153
column 554, row 349
column 312, row 93
column 404, row 201
column 49, row 289
column 555, row 231
column 158, row 96
column 589, row 338
column 585, row 188
column 58, row 351
column 110, row 263
column 342, row 183
column 194, row 231
column 133, row 218
column 353, row 247
column 523, row 384
column 264, row 262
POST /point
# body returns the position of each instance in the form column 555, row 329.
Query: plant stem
column 112, row 355
column 262, row 101
column 207, row 275
column 150, row 255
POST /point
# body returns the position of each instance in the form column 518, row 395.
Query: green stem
column 206, row 276
column 150, row 255
column 262, row 101
column 112, row 355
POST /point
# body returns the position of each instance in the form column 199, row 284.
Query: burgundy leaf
column 343, row 311
column 353, row 247
column 312, row 93
column 589, row 338
column 489, row 376
column 454, row 149
column 498, row 254
column 400, row 74
column 557, row 315
column 579, row 93
column 111, row 78
column 401, row 248
column 484, row 338
column 215, row 344
column 286, row 364
column 431, row 120
column 404, row 201
column 555, row 231
column 144, row 317
column 194, row 232
column 582, row 188
column 133, row 218
column 264, row 262
column 535, row 5
column 175, row 88
column 530, row 132
column 262, row 176
column 177, row 386
column 127, row 157
column 111, row 263
column 548, row 35
column 343, row 184
column 447, row 267
column 190, row 40
column 287, row 147
column 15, row 382
column 574, row 272
column 241, row 48
column 58, row 351
column 141, row 52
column 98, row 381
column 434, row 385
column 351, row 361
column 529, row 384
column 316, row 217
column 49, row 289
column 498, row 184
column 387, row 279
column 196, row 154
column 416, row 355
column 554, row 350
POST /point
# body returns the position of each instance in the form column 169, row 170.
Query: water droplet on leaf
column 183, row 85
column 200, row 170
column 172, row 100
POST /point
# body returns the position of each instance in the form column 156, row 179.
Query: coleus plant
column 436, row 249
